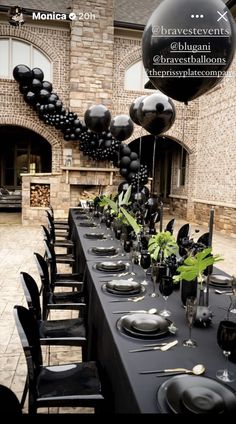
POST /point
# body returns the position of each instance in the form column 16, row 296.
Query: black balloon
column 58, row 105
column 156, row 113
column 168, row 46
column 22, row 73
column 38, row 74
column 134, row 109
column 124, row 172
column 30, row 98
column 53, row 98
column 36, row 85
column 125, row 161
column 134, row 165
column 121, row 127
column 23, row 88
column 44, row 96
column 133, row 156
column 47, row 85
column 97, row 118
column 125, row 150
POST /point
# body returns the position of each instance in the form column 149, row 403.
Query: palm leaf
column 131, row 220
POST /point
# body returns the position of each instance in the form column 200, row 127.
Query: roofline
column 117, row 24
column 129, row 25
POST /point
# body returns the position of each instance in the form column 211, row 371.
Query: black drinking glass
column 166, row 288
column 226, row 339
column 145, row 262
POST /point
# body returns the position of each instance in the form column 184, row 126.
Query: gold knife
column 162, row 348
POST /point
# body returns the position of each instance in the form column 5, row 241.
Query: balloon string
column 153, row 162
column 184, row 118
column 140, row 154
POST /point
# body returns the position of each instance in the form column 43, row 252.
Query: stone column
column 92, row 46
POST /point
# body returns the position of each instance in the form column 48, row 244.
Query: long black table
column 127, row 390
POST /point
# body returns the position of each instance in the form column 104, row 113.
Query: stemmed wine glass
column 232, row 307
column 145, row 262
column 191, row 313
column 226, row 339
column 166, row 287
column 154, row 274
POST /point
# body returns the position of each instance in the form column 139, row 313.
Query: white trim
column 178, row 196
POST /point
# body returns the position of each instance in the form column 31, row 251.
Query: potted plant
column 193, row 268
column 161, row 246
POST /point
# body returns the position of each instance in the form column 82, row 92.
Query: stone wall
column 224, row 218
column 91, row 59
column 178, row 207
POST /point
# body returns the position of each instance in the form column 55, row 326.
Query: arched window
column 135, row 77
column 14, row 52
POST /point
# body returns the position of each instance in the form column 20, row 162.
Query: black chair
column 65, row 332
column 68, row 244
column 70, row 385
column 60, row 221
column 9, row 403
column 71, row 280
column 70, row 300
column 57, row 224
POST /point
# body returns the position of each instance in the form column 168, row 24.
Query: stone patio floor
column 17, row 244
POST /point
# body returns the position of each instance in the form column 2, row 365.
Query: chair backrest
column 183, row 233
column 28, row 330
column 31, row 293
column 9, row 403
column 52, row 260
column 204, row 239
column 43, row 270
column 46, row 233
column 170, row 226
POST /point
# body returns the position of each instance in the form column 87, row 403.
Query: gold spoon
column 196, row 370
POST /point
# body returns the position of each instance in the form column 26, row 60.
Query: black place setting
column 127, row 330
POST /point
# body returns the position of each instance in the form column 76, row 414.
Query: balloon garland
column 99, row 137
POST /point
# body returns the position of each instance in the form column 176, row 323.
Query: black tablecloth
column 128, row 391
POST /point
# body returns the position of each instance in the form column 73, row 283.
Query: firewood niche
column 39, row 195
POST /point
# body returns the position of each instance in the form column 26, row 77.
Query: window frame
column 31, row 54
column 142, row 76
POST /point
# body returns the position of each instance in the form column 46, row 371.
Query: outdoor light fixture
column 17, row 18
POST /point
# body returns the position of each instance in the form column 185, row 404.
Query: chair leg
column 24, row 394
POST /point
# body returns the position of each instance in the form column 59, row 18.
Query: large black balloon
column 134, row 109
column 22, row 73
column 156, row 113
column 38, row 74
column 97, row 118
column 175, row 41
column 121, row 127
column 30, row 98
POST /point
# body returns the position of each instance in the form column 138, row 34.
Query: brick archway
column 47, row 133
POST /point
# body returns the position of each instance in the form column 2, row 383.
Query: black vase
column 188, row 289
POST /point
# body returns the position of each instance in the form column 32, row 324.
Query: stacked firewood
column 40, row 195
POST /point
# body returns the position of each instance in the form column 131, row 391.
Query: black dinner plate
column 195, row 395
column 220, row 281
column 144, row 326
column 87, row 224
column 83, row 217
column 118, row 291
column 103, row 251
column 94, row 236
column 110, row 266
